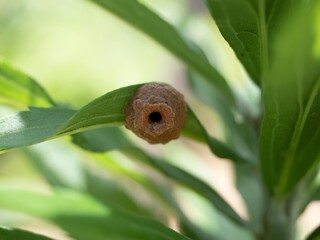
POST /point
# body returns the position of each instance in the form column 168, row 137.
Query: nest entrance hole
column 155, row 117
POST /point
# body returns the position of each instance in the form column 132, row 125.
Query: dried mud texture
column 157, row 113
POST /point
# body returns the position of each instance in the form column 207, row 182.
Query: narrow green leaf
column 314, row 235
column 16, row 234
column 74, row 174
column 291, row 132
column 162, row 192
column 246, row 32
column 193, row 129
column 17, row 87
column 42, row 124
column 63, row 202
column 165, row 168
column 239, row 134
column 102, row 140
column 193, row 183
column 103, row 111
column 193, row 232
column 117, row 227
column 84, row 218
column 51, row 164
column 39, row 124
column 161, row 31
column 31, row 127
column 196, row 130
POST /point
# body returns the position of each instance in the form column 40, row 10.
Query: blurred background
column 78, row 52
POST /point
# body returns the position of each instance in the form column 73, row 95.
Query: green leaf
column 31, row 127
column 42, row 124
column 276, row 13
column 196, row 130
column 251, row 33
column 118, row 226
column 17, row 87
column 193, row 183
column 103, row 111
column 76, row 175
column 242, row 24
column 16, row 234
column 161, row 31
column 39, row 124
column 314, row 235
column 193, row 129
column 170, row 171
column 239, row 134
column 161, row 192
column 53, row 168
column 84, row 218
column 290, row 136
column 102, row 140
column 50, row 206
column 50, row 161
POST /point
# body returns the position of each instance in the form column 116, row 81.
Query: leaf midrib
column 303, row 116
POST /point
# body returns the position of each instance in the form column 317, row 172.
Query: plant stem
column 278, row 221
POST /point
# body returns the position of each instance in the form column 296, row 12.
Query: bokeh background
column 78, row 52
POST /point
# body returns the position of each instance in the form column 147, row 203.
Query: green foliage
column 290, row 131
column 40, row 124
column 18, row 88
column 147, row 21
column 247, row 38
column 275, row 154
column 13, row 234
column 83, row 217
column 90, row 141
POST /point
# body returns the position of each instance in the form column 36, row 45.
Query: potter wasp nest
column 157, row 113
